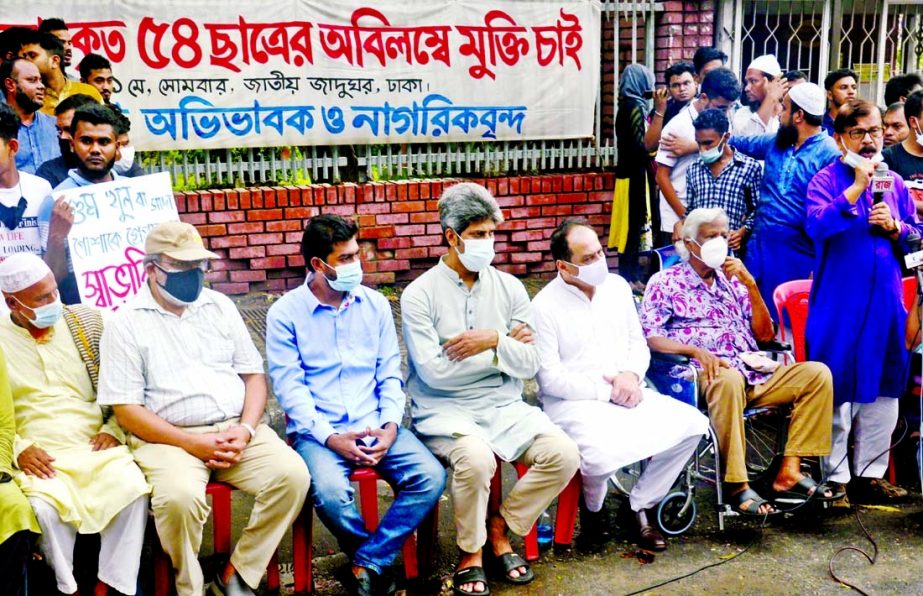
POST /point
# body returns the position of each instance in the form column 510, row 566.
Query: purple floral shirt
column 679, row 305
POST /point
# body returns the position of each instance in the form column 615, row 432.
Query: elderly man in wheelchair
column 709, row 309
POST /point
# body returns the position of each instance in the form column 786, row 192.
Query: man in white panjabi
column 70, row 461
column 468, row 330
column 594, row 359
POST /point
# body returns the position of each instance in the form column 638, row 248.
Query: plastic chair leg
column 530, row 540
column 368, row 497
column 566, row 517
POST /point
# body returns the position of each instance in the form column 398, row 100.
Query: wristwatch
column 249, row 428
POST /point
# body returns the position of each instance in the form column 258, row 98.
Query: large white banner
column 211, row 73
column 111, row 222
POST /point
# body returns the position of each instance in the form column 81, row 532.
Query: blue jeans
column 417, row 477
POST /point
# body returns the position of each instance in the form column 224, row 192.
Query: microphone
column 914, row 259
column 882, row 182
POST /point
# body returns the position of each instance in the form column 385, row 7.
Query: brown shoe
column 870, row 491
column 649, row 537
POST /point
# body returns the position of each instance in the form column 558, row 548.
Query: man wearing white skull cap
column 763, row 87
column 69, row 460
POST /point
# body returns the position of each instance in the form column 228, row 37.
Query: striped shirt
column 735, row 189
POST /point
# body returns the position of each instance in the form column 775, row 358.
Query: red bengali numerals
column 181, row 38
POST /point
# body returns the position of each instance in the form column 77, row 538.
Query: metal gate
column 875, row 38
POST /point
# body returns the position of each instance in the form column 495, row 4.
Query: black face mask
column 183, row 287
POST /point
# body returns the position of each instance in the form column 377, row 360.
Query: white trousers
column 872, row 425
column 659, row 475
column 119, row 552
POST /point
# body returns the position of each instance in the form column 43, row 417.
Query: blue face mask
column 349, row 277
column 182, row 288
column 710, row 156
column 46, row 315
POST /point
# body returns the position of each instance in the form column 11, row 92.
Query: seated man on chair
column 709, row 308
column 71, row 460
column 468, row 330
column 336, row 370
column 594, row 359
column 186, row 381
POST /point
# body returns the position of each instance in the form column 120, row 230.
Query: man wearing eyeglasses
column 181, row 371
column 860, row 223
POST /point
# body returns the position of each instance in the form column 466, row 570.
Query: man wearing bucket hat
column 186, row 381
column 763, row 88
column 779, row 249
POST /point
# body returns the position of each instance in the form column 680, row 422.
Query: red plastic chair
column 221, row 522
column 796, row 305
column 367, row 478
column 910, row 291
column 783, row 292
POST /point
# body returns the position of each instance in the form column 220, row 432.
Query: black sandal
column 507, row 562
column 756, row 501
column 469, row 575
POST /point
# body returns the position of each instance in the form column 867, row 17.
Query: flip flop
column 469, row 575
column 756, row 501
column 805, row 490
column 507, row 562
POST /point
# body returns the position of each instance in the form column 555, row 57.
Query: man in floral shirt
column 709, row 308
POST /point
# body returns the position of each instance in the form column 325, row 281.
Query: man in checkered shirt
column 723, row 177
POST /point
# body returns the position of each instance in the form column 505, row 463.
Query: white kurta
column 748, row 123
column 481, row 395
column 581, row 341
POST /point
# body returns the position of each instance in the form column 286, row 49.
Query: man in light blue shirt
column 336, row 370
column 38, row 135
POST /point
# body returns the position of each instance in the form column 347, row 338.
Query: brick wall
column 682, row 28
column 257, row 231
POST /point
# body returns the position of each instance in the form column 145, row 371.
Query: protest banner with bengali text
column 258, row 73
column 111, row 222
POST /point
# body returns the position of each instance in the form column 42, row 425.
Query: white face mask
column 713, row 252
column 128, row 158
column 479, row 252
column 919, row 135
column 853, row 159
column 593, row 274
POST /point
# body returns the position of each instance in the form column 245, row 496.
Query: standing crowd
column 170, row 391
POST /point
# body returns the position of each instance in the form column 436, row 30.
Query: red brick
column 293, row 237
column 245, row 198
column 264, row 214
column 528, row 236
column 375, row 279
column 503, row 186
column 216, row 276
column 432, row 206
column 205, row 200
column 217, row 230
column 376, row 232
column 180, row 198
column 513, row 269
column 433, row 240
column 227, row 265
column 540, row 200
column 253, row 227
column 196, row 219
column 192, row 202
column 282, row 249
column 227, row 242
column 268, row 263
column 273, row 238
column 319, row 195
column 575, row 197
column 537, row 245
column 523, row 212
column 270, row 285
column 438, row 251
column 232, row 289
column 392, row 243
column 394, row 265
column 588, row 209
column 514, row 201
column 409, row 230
column 294, row 196
column 295, row 261
column 256, row 198
column 541, row 222
column 557, row 210
column 391, row 192
column 251, row 252
column 365, row 194
column 365, row 221
column 226, row 216
column 427, row 217
column 307, row 196
column 374, row 208
column 342, row 210
column 284, row 226
column 300, row 213
column 248, row 275
column 402, row 191
column 348, row 193
column 413, row 191
column 330, row 192
column 411, row 253
column 407, row 206
column 391, row 218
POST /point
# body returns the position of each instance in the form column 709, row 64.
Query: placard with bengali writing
column 111, row 222
column 253, row 73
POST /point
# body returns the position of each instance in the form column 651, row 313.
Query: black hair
column 92, row 62
column 721, row 82
column 124, row 124
column 840, row 73
column 74, row 102
column 848, row 115
column 11, row 41
column 52, row 24
column 794, row 75
column 48, row 42
column 713, row 119
column 900, row 86
column 676, row 69
column 322, row 233
column 810, row 119
column 705, row 55
column 560, row 247
column 9, row 123
column 95, row 114
column 913, row 106
column 6, row 70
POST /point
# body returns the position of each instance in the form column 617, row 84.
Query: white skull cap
column 20, row 271
column 810, row 98
column 766, row 63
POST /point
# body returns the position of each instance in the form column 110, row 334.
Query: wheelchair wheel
column 765, row 432
column 672, row 519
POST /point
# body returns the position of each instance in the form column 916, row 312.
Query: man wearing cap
column 763, row 86
column 70, row 460
column 779, row 249
column 186, row 381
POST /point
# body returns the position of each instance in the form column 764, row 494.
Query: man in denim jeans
column 336, row 370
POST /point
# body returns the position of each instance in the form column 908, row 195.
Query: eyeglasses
column 187, row 266
column 857, row 134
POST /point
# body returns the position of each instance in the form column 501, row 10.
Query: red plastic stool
column 221, row 522
column 367, row 478
column 530, row 540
